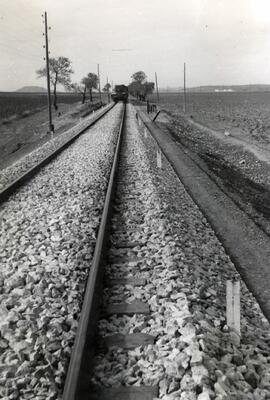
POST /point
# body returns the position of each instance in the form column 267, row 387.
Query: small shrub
column 26, row 113
column 7, row 121
column 89, row 108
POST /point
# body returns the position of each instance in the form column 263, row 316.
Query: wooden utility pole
column 185, row 100
column 108, row 90
column 99, row 83
column 51, row 127
column 157, row 87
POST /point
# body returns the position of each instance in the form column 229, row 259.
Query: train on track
column 120, row 93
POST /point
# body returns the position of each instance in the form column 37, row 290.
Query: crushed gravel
column 48, row 232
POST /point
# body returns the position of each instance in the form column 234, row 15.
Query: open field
column 23, row 134
column 18, row 104
column 238, row 113
column 15, row 105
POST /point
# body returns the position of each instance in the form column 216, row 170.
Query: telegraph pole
column 99, row 83
column 185, row 100
column 108, row 90
column 157, row 87
column 51, row 127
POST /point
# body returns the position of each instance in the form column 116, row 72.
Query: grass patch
column 7, row 121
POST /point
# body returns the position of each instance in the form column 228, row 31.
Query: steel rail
column 78, row 376
column 16, row 183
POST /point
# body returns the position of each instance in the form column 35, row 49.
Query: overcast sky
column 221, row 41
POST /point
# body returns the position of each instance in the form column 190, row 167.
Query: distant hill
column 221, row 88
column 231, row 88
column 170, row 89
column 32, row 89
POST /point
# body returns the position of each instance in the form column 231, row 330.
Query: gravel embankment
column 48, row 231
column 9, row 174
column 195, row 355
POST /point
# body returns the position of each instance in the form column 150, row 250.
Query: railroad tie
column 136, row 307
column 123, row 259
column 129, row 341
column 128, row 245
column 125, row 281
column 124, row 393
column 123, row 232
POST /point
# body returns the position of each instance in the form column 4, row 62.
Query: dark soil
column 235, row 181
column 247, row 185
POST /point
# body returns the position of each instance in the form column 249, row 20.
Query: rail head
column 77, row 379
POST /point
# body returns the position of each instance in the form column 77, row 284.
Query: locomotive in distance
column 120, row 93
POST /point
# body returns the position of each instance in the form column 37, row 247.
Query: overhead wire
column 23, row 46
column 25, row 43
column 22, row 51
column 20, row 22
column 22, row 35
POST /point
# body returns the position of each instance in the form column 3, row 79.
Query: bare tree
column 140, row 87
column 90, row 82
column 148, row 87
column 107, row 88
column 77, row 88
column 135, row 88
column 60, row 71
column 139, row 77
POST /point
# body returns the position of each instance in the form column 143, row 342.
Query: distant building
column 224, row 90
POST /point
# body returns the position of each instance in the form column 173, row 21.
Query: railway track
column 145, row 341
column 125, row 277
column 155, row 286
column 26, row 173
